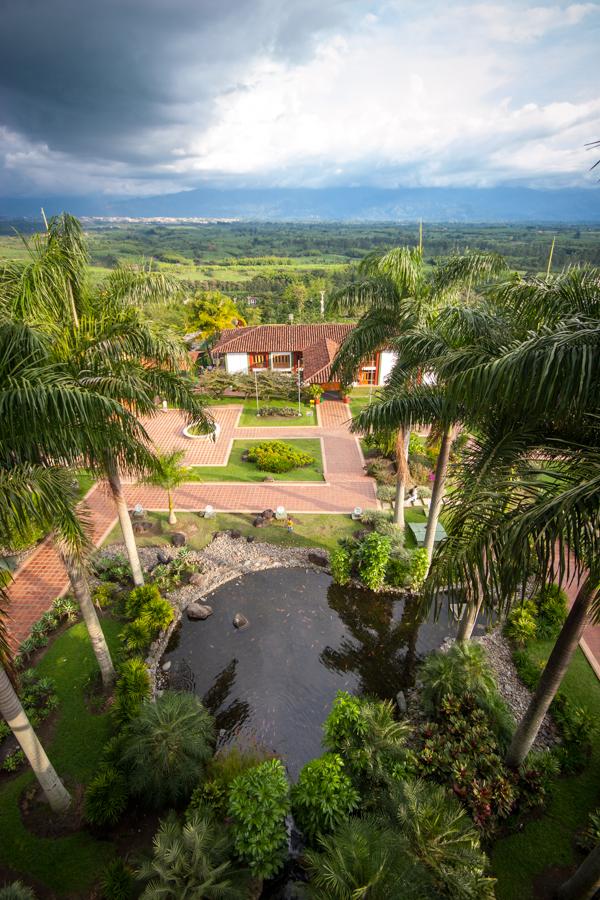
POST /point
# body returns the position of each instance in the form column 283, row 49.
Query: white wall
column 236, row 362
column 387, row 361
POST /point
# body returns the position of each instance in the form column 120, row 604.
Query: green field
column 240, row 471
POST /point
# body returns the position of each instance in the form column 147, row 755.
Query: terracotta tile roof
column 280, row 338
column 317, row 359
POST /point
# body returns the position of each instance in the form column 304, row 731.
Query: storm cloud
column 142, row 96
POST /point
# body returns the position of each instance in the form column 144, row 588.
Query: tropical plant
column 221, row 771
column 192, row 860
column 521, row 625
column 258, row 804
column 209, row 312
column 138, row 598
column 16, row 891
column 168, row 473
column 117, row 881
column 106, row 797
column 277, row 456
column 131, row 689
column 340, row 563
column 323, row 796
column 373, row 558
column 166, row 747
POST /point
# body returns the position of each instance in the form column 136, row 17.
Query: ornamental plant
column 106, row 797
column 340, row 563
column 259, row 802
column 221, row 772
column 116, row 881
column 277, row 456
column 324, row 796
column 521, row 625
column 373, row 555
column 551, row 604
column 131, row 689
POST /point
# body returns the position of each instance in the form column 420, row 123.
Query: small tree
column 168, row 474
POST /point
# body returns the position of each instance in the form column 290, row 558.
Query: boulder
column 196, row 578
column 401, row 703
column 250, row 539
column 268, row 514
column 163, row 558
column 234, row 534
column 240, row 621
column 317, row 559
column 141, row 527
column 166, row 665
column 178, row 539
column 199, row 611
column 259, row 522
column 269, row 479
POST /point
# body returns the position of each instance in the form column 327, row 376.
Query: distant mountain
column 358, row 204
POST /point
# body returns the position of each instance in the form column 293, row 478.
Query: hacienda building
column 290, row 348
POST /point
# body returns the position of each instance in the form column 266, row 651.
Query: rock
column 178, row 539
column 198, row 611
column 166, row 666
column 317, row 559
column 240, row 621
column 235, row 534
column 269, row 479
column 401, row 703
column 259, row 522
column 141, row 527
column 268, row 514
column 163, row 558
column 196, row 578
column 250, row 539
column 244, row 456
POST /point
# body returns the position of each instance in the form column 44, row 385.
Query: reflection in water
column 274, row 681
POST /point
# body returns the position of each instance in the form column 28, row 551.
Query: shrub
column 258, row 804
column 419, row 472
column 381, row 472
column 166, row 747
column 552, row 607
column 136, row 636
column 590, row 836
column 419, row 566
column 397, row 572
column 104, row 594
column 132, row 688
column 386, row 493
column 157, row 614
column 106, row 797
column 66, row 608
column 324, row 796
column 374, row 555
column 116, row 881
column 221, row 771
column 13, row 760
column 340, row 563
column 16, row 891
column 286, row 412
column 277, row 456
column 138, row 599
column 192, row 860
column 113, row 568
column 367, row 736
column 521, row 625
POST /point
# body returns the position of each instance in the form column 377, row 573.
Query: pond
column 273, row 682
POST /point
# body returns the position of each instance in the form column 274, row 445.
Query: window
column 368, row 376
column 259, row 361
column 281, row 361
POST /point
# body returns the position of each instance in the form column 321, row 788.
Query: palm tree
column 168, row 474
column 585, row 882
column 193, row 860
column 399, row 295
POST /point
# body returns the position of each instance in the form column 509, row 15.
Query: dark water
column 274, row 681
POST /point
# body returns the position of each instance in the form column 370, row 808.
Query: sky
column 141, row 97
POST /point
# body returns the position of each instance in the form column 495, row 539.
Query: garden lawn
column 548, row 842
column 249, row 419
column 310, row 530
column 360, row 398
column 240, row 471
column 70, row 864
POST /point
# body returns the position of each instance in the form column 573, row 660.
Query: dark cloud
column 123, row 79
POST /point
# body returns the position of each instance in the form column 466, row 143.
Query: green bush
column 166, row 747
column 277, row 456
column 104, row 594
column 117, row 882
column 16, row 891
column 106, row 797
column 138, row 598
column 258, row 804
column 397, row 572
column 367, row 736
column 132, row 688
column 192, row 860
column 521, row 625
column 324, row 796
column 386, row 493
column 136, row 636
column 373, row 558
column 552, row 608
column 419, row 471
column 157, row 614
column 419, row 565
column 221, row 771
column 340, row 563
column 590, row 836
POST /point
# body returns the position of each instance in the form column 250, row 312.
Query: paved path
column 42, row 576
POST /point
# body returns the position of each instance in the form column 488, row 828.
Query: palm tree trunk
column 172, row 516
column 10, row 707
column 438, row 490
column 81, row 590
column 552, row 676
column 467, row 621
column 401, row 477
column 114, row 479
column 584, row 883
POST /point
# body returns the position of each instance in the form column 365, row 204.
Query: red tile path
column 41, row 578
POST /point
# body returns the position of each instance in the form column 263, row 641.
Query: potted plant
column 315, row 391
column 345, row 394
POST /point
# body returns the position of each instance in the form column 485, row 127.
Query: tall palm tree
column 584, row 884
column 397, row 294
column 168, row 473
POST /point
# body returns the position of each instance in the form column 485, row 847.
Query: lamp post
column 299, row 386
column 256, row 392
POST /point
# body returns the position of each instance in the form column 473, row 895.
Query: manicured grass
column 310, row 530
column 249, row 418
column 240, row 471
column 360, row 398
column 72, row 863
column 548, row 842
column 86, row 480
